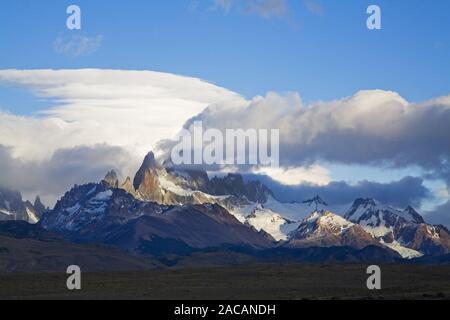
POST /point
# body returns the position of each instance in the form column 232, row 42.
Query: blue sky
column 321, row 56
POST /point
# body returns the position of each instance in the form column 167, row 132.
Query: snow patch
column 271, row 222
column 32, row 218
column 292, row 211
column 406, row 253
column 5, row 212
column 104, row 196
column 73, row 209
column 167, row 184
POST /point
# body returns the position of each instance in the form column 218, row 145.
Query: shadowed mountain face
column 428, row 239
column 29, row 248
column 24, row 230
column 195, row 227
column 99, row 214
column 12, row 207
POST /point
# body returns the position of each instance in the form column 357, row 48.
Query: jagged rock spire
column 111, row 179
column 39, row 206
column 146, row 181
column 128, row 186
column 150, row 161
column 316, row 201
column 149, row 164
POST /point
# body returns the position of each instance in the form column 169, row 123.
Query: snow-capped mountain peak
column 401, row 230
column 324, row 228
column 326, row 221
column 316, row 202
column 370, row 212
column 412, row 215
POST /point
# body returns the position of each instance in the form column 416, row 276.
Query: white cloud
column 314, row 7
column 372, row 128
column 66, row 167
column 314, row 174
column 131, row 110
column 442, row 193
column 264, row 8
column 77, row 45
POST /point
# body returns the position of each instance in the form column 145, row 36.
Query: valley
column 249, row 282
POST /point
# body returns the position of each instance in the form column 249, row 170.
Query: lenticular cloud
column 132, row 109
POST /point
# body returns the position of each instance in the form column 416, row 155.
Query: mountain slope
column 425, row 238
column 405, row 231
column 29, row 248
column 379, row 219
column 101, row 214
column 325, row 229
column 250, row 202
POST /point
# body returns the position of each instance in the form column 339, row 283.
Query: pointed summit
column 415, row 216
column 111, row 179
column 150, row 161
column 39, row 206
column 316, row 201
column 365, row 209
column 146, row 181
column 148, row 165
column 326, row 229
column 365, row 202
column 128, row 186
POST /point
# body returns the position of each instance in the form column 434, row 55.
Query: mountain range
column 12, row 207
column 165, row 210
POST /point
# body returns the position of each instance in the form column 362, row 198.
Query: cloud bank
column 66, row 167
column 440, row 215
column 375, row 128
column 401, row 193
